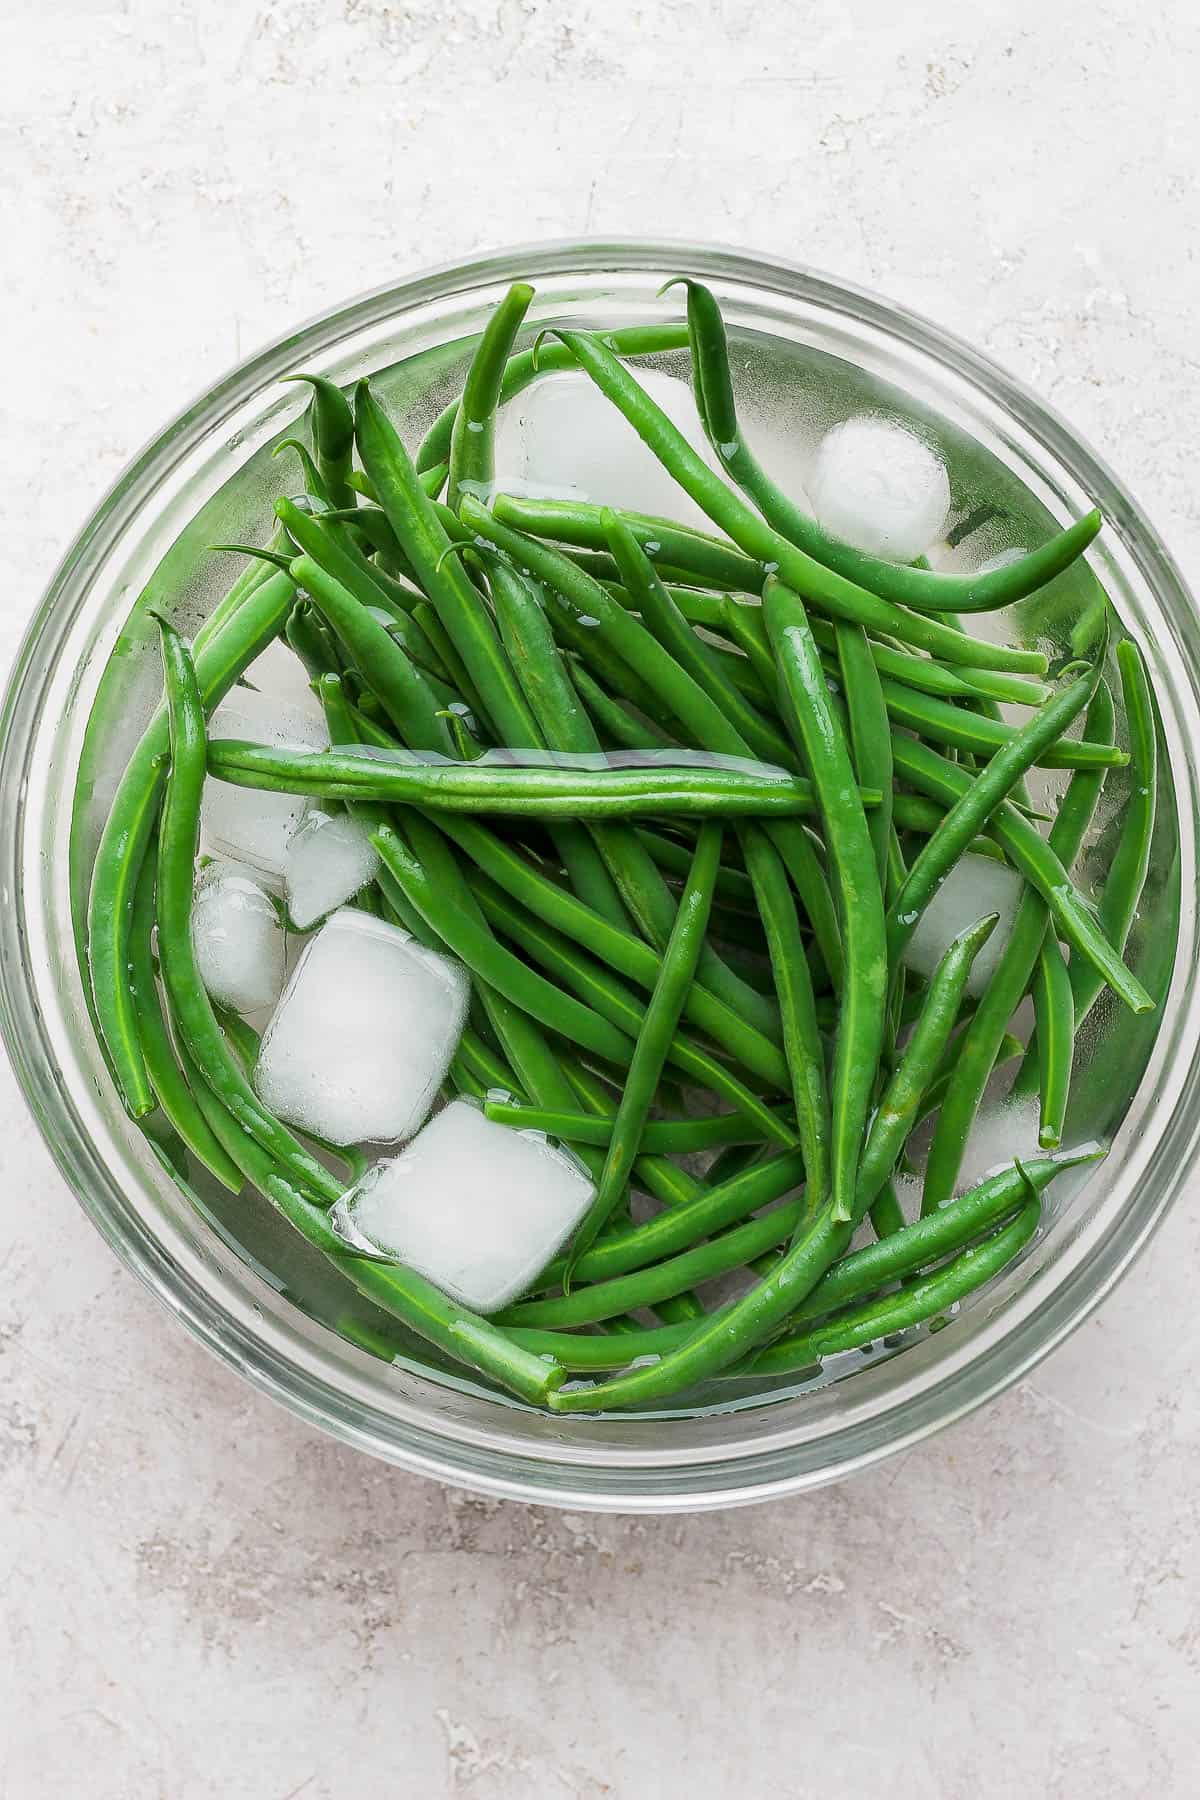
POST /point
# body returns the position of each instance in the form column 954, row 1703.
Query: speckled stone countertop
column 203, row 1600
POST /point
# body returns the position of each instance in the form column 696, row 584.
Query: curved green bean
column 922, row 588
column 918, row 1302
column 472, row 436
column 249, row 627
column 824, row 588
column 797, row 1008
column 662, row 1015
column 174, row 1095
column 190, row 1008
column 332, row 426
column 667, row 1136
column 819, row 737
column 531, row 789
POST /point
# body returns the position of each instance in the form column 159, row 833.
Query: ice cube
column 880, row 488
column 363, row 1035
column 976, row 885
column 474, row 1206
column 999, row 1134
column 563, row 435
column 238, row 940
column 329, row 858
column 249, row 825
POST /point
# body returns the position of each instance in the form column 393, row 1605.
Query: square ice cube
column 363, row 1035
column 246, row 824
column 475, row 1207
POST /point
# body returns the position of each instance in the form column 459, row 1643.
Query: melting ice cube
column 363, row 1035
column 238, row 939
column 878, row 487
column 249, row 825
column 474, row 1206
column 975, row 886
column 329, row 858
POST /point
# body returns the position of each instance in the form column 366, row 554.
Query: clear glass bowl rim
column 999, row 1355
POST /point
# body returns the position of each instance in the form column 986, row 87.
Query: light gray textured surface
column 201, row 1599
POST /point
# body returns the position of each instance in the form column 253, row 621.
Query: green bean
column 332, row 425
column 1127, row 872
column 819, row 736
column 191, row 1010
column 706, row 1211
column 662, row 1280
column 727, row 1335
column 851, row 1278
column 870, row 735
column 498, row 967
column 679, row 691
column 472, row 436
column 174, row 1096
column 613, row 1001
column 524, row 368
column 642, row 890
column 582, row 597
column 249, row 627
column 1055, row 1015
column 734, row 887
column 801, row 1035
column 614, row 718
column 389, row 673
column 743, row 621
column 664, row 620
column 913, row 812
column 943, row 723
column 978, row 1052
column 620, row 950
column 976, row 804
column 456, row 601
column 454, row 668
column 254, row 575
column 314, row 482
column 337, row 555
column 918, row 587
column 527, row 638
column 312, row 641
column 578, row 523
column 672, row 1136
column 1033, row 858
column 701, row 788
column 825, row 588
column 654, row 1041
column 913, row 1305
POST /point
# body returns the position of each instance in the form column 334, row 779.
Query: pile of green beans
column 677, row 800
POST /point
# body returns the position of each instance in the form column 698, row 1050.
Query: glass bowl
column 807, row 349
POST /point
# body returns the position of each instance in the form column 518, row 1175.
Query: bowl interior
column 806, row 354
